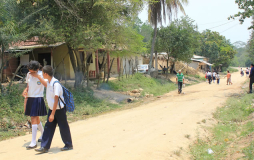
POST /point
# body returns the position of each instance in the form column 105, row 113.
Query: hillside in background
column 241, row 58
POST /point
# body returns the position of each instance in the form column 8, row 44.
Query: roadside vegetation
column 232, row 137
column 12, row 118
column 149, row 85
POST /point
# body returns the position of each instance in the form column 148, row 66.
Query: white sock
column 34, row 132
column 40, row 127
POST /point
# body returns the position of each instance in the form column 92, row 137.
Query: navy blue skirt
column 35, row 106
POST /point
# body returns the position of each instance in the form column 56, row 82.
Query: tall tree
column 217, row 48
column 179, row 40
column 157, row 10
column 88, row 24
column 247, row 10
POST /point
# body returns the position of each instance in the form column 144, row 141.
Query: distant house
column 58, row 57
column 55, row 55
column 200, row 62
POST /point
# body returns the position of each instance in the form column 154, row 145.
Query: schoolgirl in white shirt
column 34, row 101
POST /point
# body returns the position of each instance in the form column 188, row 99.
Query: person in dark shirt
column 251, row 76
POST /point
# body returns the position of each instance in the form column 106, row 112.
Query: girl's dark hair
column 33, row 65
column 48, row 69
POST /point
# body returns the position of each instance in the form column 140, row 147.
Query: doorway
column 44, row 57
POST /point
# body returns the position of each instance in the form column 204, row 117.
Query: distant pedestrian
column 229, row 78
column 164, row 69
column 206, row 77
column 218, row 78
column 209, row 75
column 247, row 72
column 179, row 81
column 251, row 76
column 214, row 76
column 241, row 72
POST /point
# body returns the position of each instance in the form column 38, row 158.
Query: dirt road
column 153, row 131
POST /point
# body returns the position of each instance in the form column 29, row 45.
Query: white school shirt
column 51, row 93
column 35, row 87
column 209, row 73
column 214, row 74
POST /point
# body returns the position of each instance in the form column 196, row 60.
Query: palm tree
column 157, row 10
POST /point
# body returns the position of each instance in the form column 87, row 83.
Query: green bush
column 149, row 85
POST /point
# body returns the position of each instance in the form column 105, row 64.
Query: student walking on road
column 214, row 76
column 56, row 113
column 251, row 76
column 218, row 78
column 247, row 72
column 34, row 105
column 179, row 81
column 209, row 75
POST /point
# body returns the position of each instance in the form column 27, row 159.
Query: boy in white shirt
column 34, row 105
column 56, row 113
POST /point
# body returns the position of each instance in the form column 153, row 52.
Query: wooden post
column 97, row 63
column 156, row 61
column 118, row 67
column 108, row 61
column 51, row 57
column 64, row 72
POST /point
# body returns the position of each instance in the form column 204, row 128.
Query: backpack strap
column 59, row 96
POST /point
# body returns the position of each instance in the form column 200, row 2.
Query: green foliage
column 246, row 11
column 230, row 69
column 249, row 151
column 242, row 56
column 11, row 107
column 231, row 124
column 217, row 48
column 179, row 39
column 149, row 85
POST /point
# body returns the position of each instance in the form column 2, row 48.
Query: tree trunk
column 153, row 44
column 77, row 67
column 118, row 68
column 156, row 61
column 1, row 69
column 167, row 68
column 110, row 69
column 172, row 67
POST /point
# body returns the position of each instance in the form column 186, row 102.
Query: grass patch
column 233, row 124
column 230, row 69
column 249, row 151
column 149, row 85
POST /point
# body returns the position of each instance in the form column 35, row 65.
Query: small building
column 200, row 63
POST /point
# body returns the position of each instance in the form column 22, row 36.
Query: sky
column 213, row 14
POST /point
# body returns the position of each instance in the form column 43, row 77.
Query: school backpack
column 68, row 98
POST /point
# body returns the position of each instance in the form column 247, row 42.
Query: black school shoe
column 30, row 147
column 66, row 148
column 39, row 140
column 42, row 150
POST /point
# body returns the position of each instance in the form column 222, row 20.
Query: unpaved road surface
column 152, row 131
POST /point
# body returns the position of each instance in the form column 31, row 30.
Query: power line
column 230, row 28
column 221, row 25
column 212, row 22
